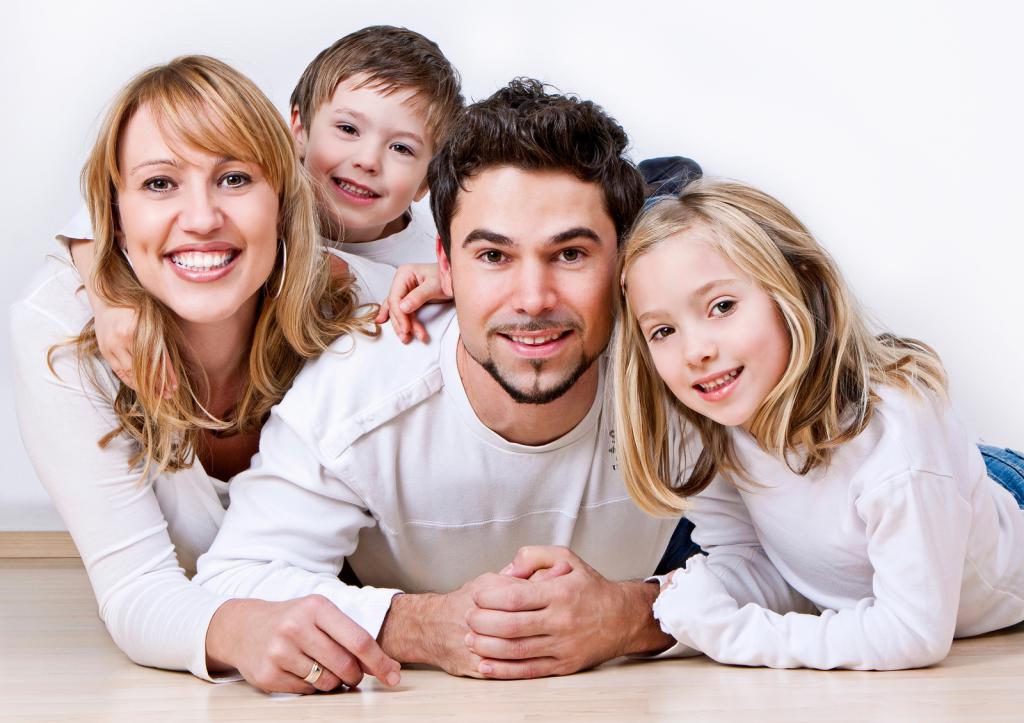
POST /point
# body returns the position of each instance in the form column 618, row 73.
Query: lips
column 203, row 263
column 537, row 344
column 355, row 191
column 718, row 386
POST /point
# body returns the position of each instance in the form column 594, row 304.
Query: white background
column 891, row 128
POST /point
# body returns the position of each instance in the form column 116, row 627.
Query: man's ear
column 444, row 269
column 299, row 134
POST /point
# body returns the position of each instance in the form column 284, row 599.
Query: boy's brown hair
column 392, row 59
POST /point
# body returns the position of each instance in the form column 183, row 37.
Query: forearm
column 405, row 635
column 641, row 633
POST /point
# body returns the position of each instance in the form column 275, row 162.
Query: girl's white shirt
column 139, row 540
column 902, row 543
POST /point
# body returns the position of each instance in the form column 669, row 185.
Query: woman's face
column 200, row 230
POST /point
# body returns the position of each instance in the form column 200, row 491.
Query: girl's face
column 200, row 230
column 716, row 338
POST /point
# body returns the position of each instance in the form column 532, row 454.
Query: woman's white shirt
column 139, row 540
column 902, row 544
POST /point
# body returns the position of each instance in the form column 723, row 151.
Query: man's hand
column 273, row 645
column 560, row 624
column 431, row 628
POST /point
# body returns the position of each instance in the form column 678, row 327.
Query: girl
column 831, row 462
column 205, row 227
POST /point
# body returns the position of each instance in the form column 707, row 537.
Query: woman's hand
column 413, row 286
column 274, row 644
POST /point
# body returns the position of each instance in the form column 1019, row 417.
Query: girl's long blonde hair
column 825, row 396
column 214, row 108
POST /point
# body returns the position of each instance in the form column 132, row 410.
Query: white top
column 396, row 473
column 414, row 244
column 902, row 544
column 139, row 541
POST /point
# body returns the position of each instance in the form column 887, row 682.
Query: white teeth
column 355, row 190
column 716, row 383
column 202, row 260
column 535, row 340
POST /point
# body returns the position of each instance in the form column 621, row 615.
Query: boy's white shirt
column 139, row 541
column 902, row 544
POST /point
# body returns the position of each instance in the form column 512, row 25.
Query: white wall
column 892, row 128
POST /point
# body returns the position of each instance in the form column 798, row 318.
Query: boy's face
column 369, row 152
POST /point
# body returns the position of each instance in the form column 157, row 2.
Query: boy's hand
column 115, row 336
column 413, row 286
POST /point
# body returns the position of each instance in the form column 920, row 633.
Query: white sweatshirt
column 139, row 541
column 902, row 544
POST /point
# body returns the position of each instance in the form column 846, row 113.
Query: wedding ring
column 314, row 673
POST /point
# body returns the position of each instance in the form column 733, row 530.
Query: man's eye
column 234, row 180
column 721, row 308
column 661, row 332
column 571, row 255
column 160, row 185
column 492, row 257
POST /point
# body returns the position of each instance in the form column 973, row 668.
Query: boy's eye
column 571, row 255
column 402, row 149
column 234, row 180
column 159, row 184
column 721, row 308
column 346, row 128
column 661, row 332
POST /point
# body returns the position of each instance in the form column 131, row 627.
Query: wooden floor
column 57, row 663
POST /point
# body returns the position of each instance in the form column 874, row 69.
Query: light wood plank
column 58, row 663
column 37, row 544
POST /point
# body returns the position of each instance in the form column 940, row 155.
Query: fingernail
column 507, row 569
column 486, row 668
column 393, row 678
column 404, row 306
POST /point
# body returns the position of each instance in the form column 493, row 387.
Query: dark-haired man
column 431, row 467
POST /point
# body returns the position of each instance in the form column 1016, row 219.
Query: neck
column 530, row 424
column 220, row 351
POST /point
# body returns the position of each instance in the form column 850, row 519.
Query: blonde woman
column 205, row 226
column 831, row 464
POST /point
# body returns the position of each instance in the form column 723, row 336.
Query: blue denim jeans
column 1004, row 466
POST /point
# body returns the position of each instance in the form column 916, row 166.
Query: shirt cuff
column 197, row 666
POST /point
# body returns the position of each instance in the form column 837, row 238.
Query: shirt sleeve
column 290, row 525
column 79, row 227
column 916, row 544
column 151, row 609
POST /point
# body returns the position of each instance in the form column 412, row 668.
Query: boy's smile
column 368, row 150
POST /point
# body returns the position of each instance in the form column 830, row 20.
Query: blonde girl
column 205, row 226
column 831, row 463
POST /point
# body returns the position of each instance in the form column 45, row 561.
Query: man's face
column 531, row 266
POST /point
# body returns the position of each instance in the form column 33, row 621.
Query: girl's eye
column 661, row 332
column 346, row 128
column 721, row 308
column 402, row 149
column 571, row 255
column 159, row 185
column 234, row 180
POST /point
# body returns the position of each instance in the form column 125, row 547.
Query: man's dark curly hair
column 525, row 127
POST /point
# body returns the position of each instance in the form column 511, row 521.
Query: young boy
column 366, row 114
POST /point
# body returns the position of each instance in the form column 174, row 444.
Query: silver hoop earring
column 284, row 268
column 128, row 259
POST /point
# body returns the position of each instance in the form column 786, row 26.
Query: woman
column 204, row 224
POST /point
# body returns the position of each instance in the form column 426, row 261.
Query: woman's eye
column 402, row 149
column 234, row 180
column 661, row 332
column 721, row 308
column 571, row 255
column 160, row 185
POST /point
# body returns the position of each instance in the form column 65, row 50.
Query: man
column 429, row 467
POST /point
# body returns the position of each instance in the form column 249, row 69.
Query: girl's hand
column 274, row 644
column 413, row 286
column 668, row 580
column 115, row 336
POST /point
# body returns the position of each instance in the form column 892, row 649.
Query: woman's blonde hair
column 825, row 396
column 208, row 105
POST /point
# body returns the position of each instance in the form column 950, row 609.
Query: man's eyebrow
column 574, row 233
column 482, row 234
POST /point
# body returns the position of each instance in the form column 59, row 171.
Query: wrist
column 641, row 635
column 220, row 638
column 403, row 634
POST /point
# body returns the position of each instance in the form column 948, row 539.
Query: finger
column 335, row 659
column 382, row 314
column 557, row 570
column 400, row 332
column 537, row 646
column 513, row 598
column 500, row 624
column 417, row 297
column 420, row 331
column 520, row 669
column 530, row 559
column 359, row 643
column 300, row 666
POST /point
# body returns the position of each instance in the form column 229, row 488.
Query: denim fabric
column 1007, row 468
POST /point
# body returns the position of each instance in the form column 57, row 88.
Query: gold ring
column 314, row 673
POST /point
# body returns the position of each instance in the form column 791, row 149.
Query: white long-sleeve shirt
column 378, row 457
column 139, row 540
column 902, row 544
